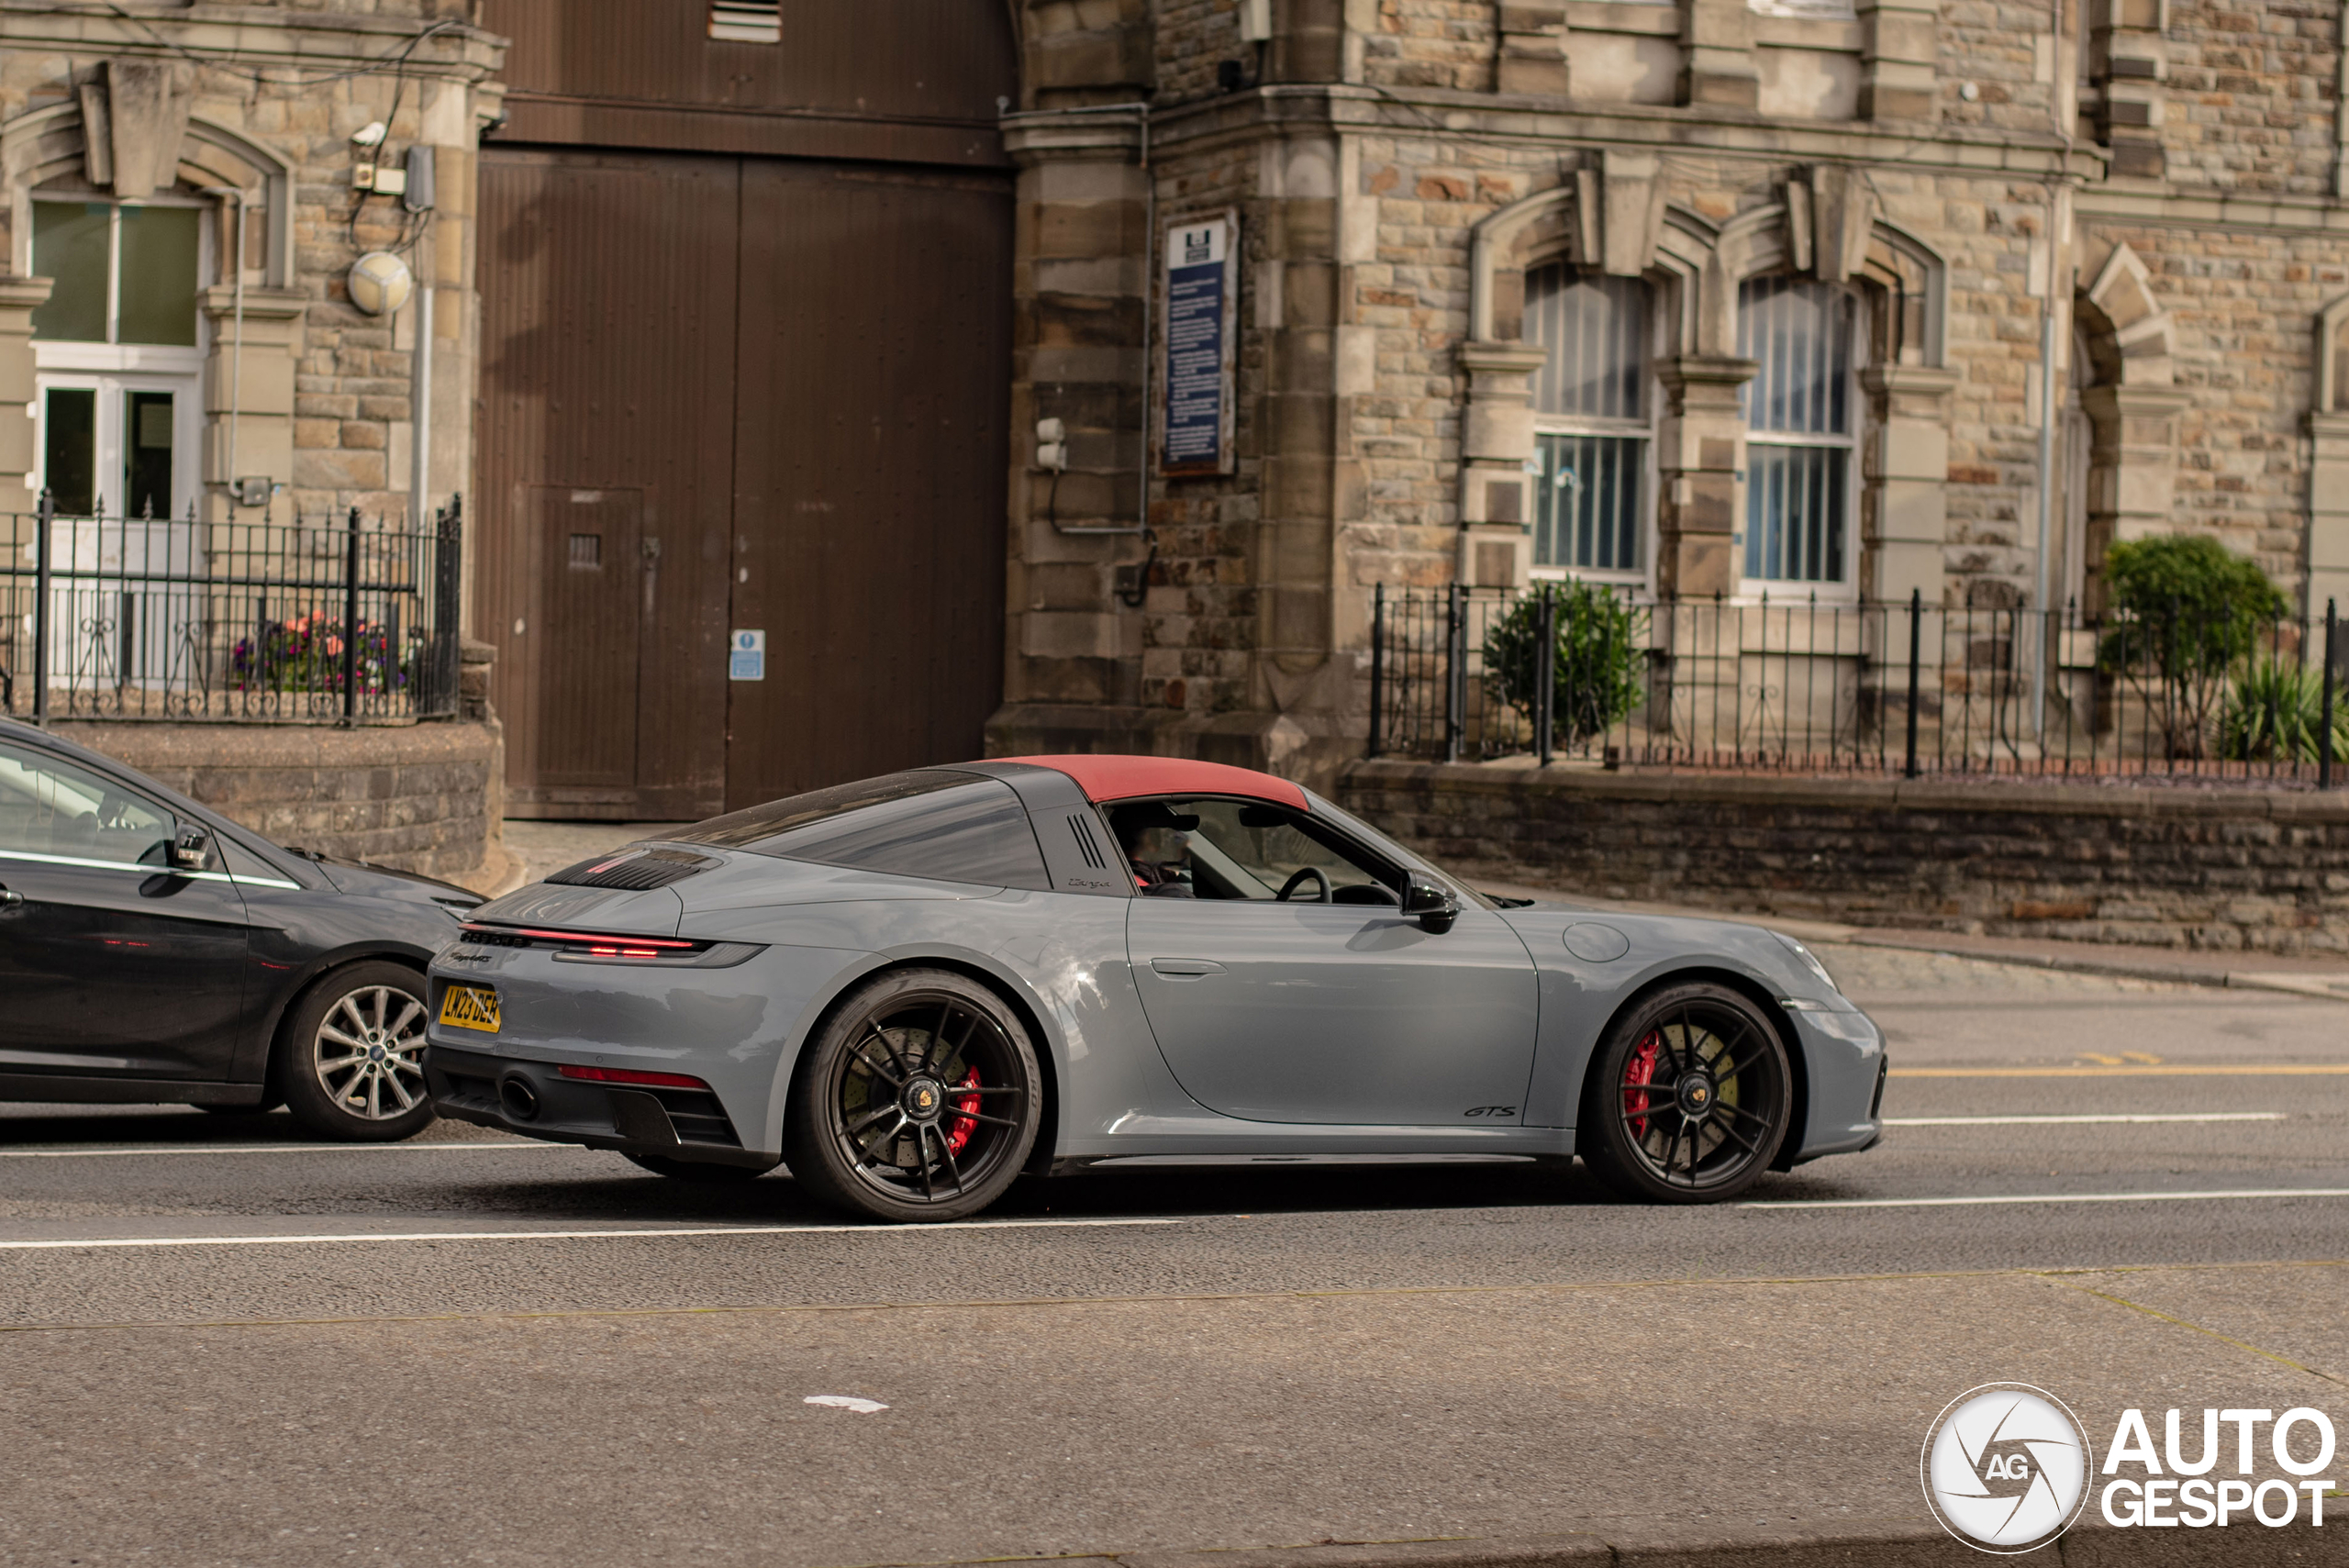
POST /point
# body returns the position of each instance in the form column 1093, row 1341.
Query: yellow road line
column 2269, row 1070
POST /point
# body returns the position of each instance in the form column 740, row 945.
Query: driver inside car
column 1157, row 842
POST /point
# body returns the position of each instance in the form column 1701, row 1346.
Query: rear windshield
column 931, row 823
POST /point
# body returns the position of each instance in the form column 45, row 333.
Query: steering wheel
column 1297, row 878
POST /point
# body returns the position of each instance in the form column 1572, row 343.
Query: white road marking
column 2067, row 1121
column 2043, row 1197
column 298, row 1240
column 848, row 1402
column 276, row 1149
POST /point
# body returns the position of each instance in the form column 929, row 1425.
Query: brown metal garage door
column 723, row 392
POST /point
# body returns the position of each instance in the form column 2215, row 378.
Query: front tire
column 1689, row 1097
column 351, row 1061
column 917, row 1100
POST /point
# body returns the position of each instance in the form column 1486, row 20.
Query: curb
column 2119, row 968
column 2299, row 1546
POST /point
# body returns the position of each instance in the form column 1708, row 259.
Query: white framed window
column 1801, row 417
column 1593, row 420
column 123, row 274
column 118, row 351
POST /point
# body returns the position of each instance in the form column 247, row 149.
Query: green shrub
column 2197, row 606
column 1602, row 652
column 2186, row 612
column 2275, row 712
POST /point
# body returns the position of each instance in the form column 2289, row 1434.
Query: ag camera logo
column 2005, row 1467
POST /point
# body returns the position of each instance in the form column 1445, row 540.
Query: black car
column 152, row 951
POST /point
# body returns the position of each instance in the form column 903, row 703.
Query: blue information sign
column 1198, row 331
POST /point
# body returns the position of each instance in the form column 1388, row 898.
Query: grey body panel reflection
column 1336, row 1013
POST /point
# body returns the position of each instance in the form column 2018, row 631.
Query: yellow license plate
column 469, row 1008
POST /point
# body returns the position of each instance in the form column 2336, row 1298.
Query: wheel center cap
column 375, row 1053
column 1696, row 1094
column 923, row 1098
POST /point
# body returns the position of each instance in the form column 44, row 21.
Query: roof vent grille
column 634, row 870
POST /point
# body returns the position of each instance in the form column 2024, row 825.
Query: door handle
column 1186, row 968
column 10, row 900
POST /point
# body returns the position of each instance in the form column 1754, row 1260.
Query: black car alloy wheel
column 351, row 1056
column 1689, row 1098
column 918, row 1099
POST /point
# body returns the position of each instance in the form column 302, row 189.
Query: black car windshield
column 952, row 826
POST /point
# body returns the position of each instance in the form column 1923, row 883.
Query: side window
column 1244, row 850
column 49, row 806
column 947, row 826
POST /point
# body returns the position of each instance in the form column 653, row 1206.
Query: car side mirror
column 1432, row 905
column 191, row 847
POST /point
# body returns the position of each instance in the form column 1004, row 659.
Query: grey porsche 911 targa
column 914, row 988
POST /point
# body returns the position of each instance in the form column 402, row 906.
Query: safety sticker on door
column 746, row 656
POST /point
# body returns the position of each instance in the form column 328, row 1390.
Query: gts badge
column 1489, row 1111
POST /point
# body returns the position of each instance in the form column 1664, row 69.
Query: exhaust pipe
column 520, row 1100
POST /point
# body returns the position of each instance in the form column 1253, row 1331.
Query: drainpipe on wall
column 2059, row 216
column 420, row 397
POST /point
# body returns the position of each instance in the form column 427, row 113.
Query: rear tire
column 701, row 1171
column 350, row 1057
column 919, row 1099
column 1689, row 1097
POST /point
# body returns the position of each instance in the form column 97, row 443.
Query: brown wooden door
column 580, row 655
column 869, row 490
column 800, row 371
column 607, row 368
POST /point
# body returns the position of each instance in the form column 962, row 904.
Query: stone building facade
column 232, row 128
column 1832, row 299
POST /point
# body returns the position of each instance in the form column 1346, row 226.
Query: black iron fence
column 1581, row 672
column 304, row 622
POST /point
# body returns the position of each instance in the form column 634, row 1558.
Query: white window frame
column 112, row 369
column 187, row 430
column 1643, row 430
column 1846, row 589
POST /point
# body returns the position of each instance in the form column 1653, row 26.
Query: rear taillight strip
column 631, row 1075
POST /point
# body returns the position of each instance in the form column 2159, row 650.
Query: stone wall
column 262, row 100
column 2227, row 869
column 423, row 797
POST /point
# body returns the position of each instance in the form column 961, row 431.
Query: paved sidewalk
column 2324, row 977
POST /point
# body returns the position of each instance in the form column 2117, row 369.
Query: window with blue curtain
column 1591, row 418
column 1801, row 410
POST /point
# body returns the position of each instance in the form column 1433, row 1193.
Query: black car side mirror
column 191, row 846
column 1433, row 906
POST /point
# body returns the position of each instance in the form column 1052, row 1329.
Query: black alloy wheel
column 1689, row 1097
column 917, row 1100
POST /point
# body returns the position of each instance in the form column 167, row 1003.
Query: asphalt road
column 219, row 1344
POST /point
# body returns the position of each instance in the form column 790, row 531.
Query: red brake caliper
column 968, row 1104
column 1638, row 1072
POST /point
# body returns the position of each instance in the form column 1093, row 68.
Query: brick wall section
column 352, row 373
column 2251, row 95
column 1431, row 43
column 2219, row 869
column 420, row 799
column 2242, row 302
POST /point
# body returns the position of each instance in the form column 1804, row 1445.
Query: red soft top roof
column 1122, row 778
